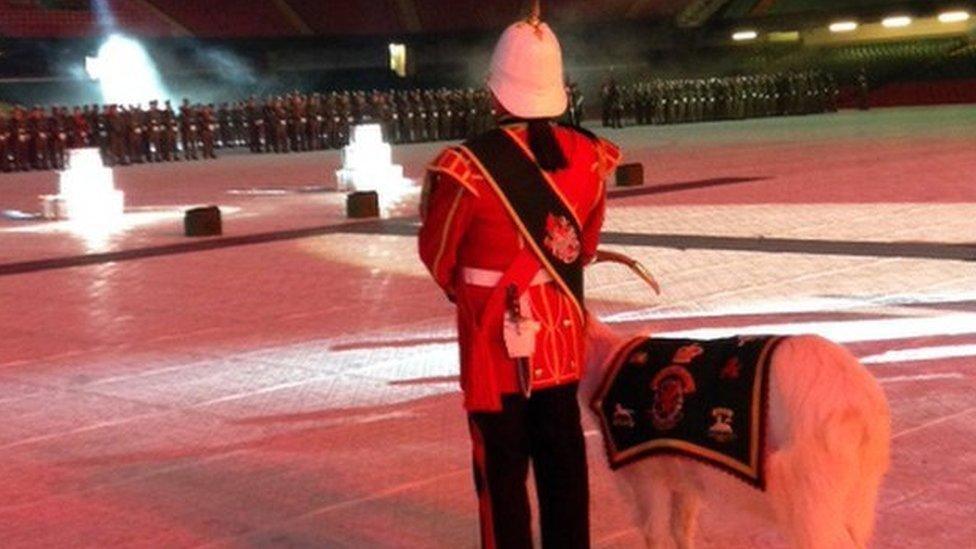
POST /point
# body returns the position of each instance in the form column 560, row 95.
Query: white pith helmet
column 526, row 73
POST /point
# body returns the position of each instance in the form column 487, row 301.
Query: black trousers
column 544, row 430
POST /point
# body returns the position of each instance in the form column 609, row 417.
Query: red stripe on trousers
column 484, row 495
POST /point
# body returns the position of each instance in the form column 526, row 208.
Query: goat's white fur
column 827, row 449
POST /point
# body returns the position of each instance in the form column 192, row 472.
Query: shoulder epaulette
column 453, row 163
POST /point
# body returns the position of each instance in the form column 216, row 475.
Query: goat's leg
column 809, row 501
column 652, row 509
column 684, row 518
column 819, row 529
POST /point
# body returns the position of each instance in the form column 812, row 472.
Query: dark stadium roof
column 739, row 9
column 276, row 18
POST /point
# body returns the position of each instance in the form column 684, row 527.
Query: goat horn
column 606, row 256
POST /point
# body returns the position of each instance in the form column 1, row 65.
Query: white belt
column 489, row 279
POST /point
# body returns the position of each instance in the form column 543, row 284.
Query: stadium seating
column 220, row 20
column 343, row 18
column 800, row 6
column 898, row 94
column 232, row 19
column 32, row 20
column 884, row 62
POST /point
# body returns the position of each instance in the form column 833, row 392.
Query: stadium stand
column 30, row 19
column 337, row 18
column 942, row 92
column 778, row 7
column 224, row 20
column 248, row 47
column 907, row 59
column 738, row 9
column 253, row 18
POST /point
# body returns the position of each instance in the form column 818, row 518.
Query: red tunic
column 466, row 225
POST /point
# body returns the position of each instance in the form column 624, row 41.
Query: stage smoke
column 229, row 67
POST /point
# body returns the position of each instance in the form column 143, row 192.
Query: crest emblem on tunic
column 670, row 386
column 561, row 239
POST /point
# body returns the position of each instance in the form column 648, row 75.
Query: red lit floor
column 296, row 389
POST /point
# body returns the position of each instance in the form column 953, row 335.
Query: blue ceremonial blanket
column 701, row 399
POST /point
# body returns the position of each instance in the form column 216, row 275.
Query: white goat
column 827, row 449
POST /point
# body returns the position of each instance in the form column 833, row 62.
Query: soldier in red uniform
column 240, row 124
column 255, row 125
column 40, row 137
column 208, row 130
column 509, row 220
column 58, row 144
column 115, row 127
column 225, row 121
column 6, row 155
column 80, row 130
column 279, row 125
column 154, row 132
column 21, row 137
column 313, row 132
column 189, row 130
column 297, row 122
column 135, row 134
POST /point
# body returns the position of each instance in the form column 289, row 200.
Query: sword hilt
column 512, row 298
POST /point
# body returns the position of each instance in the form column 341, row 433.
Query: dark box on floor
column 630, row 175
column 203, row 222
column 362, row 204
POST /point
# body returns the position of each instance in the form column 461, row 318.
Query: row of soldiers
column 30, row 139
column 38, row 138
column 678, row 101
column 299, row 122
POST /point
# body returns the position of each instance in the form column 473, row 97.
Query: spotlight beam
column 126, row 73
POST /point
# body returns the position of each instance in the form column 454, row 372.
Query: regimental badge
column 721, row 430
column 639, row 359
column 687, row 353
column 561, row 239
column 670, row 386
column 623, row 417
column 731, row 370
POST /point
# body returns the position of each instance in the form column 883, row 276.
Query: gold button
column 567, row 323
column 538, row 371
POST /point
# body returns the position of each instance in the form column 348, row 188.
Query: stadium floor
column 293, row 384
